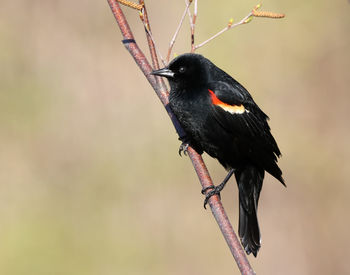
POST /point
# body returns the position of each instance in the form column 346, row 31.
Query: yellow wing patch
column 233, row 109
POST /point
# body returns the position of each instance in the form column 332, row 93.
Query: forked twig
column 229, row 26
column 152, row 46
column 201, row 170
column 145, row 21
column 171, row 44
column 189, row 13
column 253, row 13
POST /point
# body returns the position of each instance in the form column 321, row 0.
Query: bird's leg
column 216, row 189
column 184, row 145
column 183, row 148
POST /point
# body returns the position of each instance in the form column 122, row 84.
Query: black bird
column 221, row 118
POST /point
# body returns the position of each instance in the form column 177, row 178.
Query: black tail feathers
column 249, row 231
column 249, row 180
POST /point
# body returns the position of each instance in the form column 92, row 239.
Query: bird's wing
column 235, row 110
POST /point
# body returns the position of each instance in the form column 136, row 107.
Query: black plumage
column 221, row 118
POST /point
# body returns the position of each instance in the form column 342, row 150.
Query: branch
column 177, row 31
column 197, row 161
column 152, row 44
column 253, row 13
column 193, row 24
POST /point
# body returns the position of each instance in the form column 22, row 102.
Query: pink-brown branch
column 197, row 161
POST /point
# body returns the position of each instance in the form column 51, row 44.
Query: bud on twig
column 230, row 23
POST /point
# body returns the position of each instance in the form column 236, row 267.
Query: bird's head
column 185, row 71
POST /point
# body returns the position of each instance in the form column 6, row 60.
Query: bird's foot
column 216, row 191
column 183, row 148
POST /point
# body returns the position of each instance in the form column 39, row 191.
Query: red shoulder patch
column 233, row 109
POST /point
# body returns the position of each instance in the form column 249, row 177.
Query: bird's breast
column 195, row 115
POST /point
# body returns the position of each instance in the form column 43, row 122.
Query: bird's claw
column 206, row 189
column 183, row 148
column 216, row 191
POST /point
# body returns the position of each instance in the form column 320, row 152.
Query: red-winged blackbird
column 221, row 118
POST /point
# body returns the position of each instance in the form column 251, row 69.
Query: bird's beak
column 165, row 72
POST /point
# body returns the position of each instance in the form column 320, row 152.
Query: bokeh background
column 91, row 182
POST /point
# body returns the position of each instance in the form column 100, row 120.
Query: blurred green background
column 91, row 182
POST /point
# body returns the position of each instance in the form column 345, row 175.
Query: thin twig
column 253, row 13
column 228, row 27
column 193, row 25
column 155, row 47
column 145, row 21
column 152, row 46
column 177, row 31
column 201, row 170
column 189, row 14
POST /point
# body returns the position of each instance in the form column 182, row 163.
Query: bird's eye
column 182, row 70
